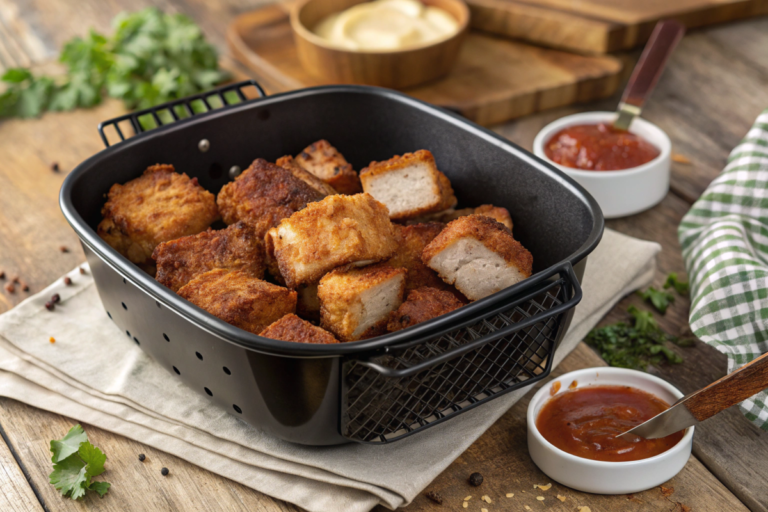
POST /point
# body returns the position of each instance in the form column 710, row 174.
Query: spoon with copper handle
column 738, row 385
column 646, row 74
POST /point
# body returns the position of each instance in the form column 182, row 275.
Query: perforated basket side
column 378, row 408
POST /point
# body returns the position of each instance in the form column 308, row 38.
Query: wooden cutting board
column 493, row 81
column 600, row 26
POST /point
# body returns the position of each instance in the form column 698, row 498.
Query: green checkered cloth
column 725, row 246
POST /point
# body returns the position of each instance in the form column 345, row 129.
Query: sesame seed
column 468, row 498
column 510, row 494
column 540, row 498
column 561, row 498
column 465, row 504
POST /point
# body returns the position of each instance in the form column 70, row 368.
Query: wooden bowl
column 394, row 69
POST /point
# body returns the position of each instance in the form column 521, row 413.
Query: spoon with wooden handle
column 739, row 385
column 662, row 42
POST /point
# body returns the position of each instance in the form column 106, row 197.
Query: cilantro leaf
column 681, row 287
column 659, row 298
column 76, row 461
column 100, row 487
column 637, row 345
column 68, row 444
column 93, row 457
column 70, row 476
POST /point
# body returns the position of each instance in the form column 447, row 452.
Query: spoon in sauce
column 738, row 385
column 646, row 74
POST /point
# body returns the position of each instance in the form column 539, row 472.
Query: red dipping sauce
column 585, row 422
column 599, row 147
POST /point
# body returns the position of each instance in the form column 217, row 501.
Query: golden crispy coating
column 421, row 305
column 411, row 241
column 239, row 299
column 304, row 175
column 233, row 248
column 263, row 195
column 478, row 255
column 355, row 303
column 330, row 233
column 495, row 212
column 158, row 206
column 325, row 162
column 293, row 328
column 409, row 185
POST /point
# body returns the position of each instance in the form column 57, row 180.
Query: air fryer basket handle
column 171, row 107
column 571, row 289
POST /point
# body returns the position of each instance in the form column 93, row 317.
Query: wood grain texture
column 16, row 494
column 501, row 456
column 493, row 81
column 598, row 26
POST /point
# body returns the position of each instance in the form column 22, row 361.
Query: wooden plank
column 16, row 494
column 501, row 457
column 493, row 81
column 136, row 485
column 597, row 26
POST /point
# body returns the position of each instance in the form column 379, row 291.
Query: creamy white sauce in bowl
column 383, row 25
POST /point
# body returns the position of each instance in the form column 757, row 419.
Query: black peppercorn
column 55, row 298
column 164, row 471
column 67, row 281
column 82, row 270
column 49, row 306
column 55, row 166
column 142, row 457
column 432, row 495
column 63, row 248
column 475, row 479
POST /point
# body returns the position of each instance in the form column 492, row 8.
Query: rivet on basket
column 203, row 145
column 234, row 171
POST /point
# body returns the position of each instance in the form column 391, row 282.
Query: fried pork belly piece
column 158, row 206
column 355, row 303
column 304, row 175
column 239, row 299
column 233, row 248
column 330, row 233
column 495, row 212
column 325, row 162
column 478, row 255
column 421, row 305
column 293, row 328
column 409, row 185
column 411, row 241
column 263, row 195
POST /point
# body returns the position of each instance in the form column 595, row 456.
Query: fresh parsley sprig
column 661, row 299
column 75, row 462
column 150, row 59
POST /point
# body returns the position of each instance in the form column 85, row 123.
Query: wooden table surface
column 712, row 91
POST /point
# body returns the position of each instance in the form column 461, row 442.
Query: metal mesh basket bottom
column 381, row 409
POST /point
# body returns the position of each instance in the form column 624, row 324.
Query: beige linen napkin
column 96, row 375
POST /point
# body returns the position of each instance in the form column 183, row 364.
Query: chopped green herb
column 680, row 287
column 75, row 462
column 636, row 346
column 150, row 59
column 659, row 298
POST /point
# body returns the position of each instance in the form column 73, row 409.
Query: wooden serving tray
column 600, row 26
column 493, row 81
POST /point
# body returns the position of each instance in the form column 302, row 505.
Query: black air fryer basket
column 371, row 391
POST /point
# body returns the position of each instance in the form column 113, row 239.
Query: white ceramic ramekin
column 623, row 192
column 607, row 477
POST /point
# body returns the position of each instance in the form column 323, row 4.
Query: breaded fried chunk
column 421, row 305
column 304, row 175
column 233, row 248
column 293, row 328
column 239, row 299
column 330, row 233
column 478, row 256
column 158, row 206
column 325, row 162
column 495, row 212
column 409, row 185
column 355, row 303
column 263, row 195
column 411, row 241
